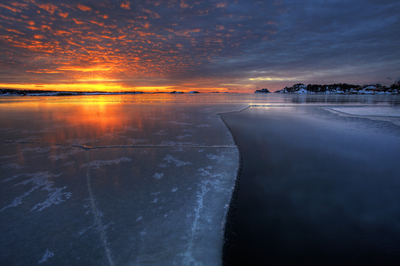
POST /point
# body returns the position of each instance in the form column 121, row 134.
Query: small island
column 265, row 90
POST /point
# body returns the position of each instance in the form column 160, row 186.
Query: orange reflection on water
column 75, row 121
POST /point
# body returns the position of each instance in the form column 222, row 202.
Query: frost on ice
column 99, row 163
column 47, row 255
column 40, row 180
column 173, row 160
column 158, row 175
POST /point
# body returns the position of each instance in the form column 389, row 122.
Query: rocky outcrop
column 265, row 90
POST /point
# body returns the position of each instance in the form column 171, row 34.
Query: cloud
column 83, row 8
column 126, row 5
column 207, row 43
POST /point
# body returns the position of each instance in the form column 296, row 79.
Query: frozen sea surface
column 104, row 181
column 135, row 179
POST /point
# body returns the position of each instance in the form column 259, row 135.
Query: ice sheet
column 117, row 206
column 114, row 184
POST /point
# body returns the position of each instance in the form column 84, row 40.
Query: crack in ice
column 96, row 213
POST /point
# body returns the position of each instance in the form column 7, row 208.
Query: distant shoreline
column 16, row 92
column 341, row 88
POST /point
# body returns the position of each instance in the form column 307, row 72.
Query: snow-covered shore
column 300, row 88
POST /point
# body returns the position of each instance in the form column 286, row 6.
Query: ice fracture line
column 96, row 213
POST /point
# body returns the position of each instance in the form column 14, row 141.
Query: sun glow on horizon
column 95, row 85
column 85, row 87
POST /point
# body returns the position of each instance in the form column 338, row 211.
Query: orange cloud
column 77, row 21
column 222, row 5
column 152, row 13
column 15, row 31
column 64, row 15
column 126, row 5
column 33, row 28
column 83, row 8
column 49, row 8
column 97, row 23
column 10, row 8
column 183, row 4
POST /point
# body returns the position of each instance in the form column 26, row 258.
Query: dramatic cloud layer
column 220, row 45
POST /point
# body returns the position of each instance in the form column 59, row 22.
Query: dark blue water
column 315, row 187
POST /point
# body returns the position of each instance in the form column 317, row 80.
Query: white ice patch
column 201, row 150
column 55, row 197
column 161, row 132
column 155, row 193
column 173, row 143
column 84, row 230
column 175, row 189
column 47, row 255
column 178, row 149
column 180, row 123
column 41, row 180
column 203, row 125
column 99, row 163
column 168, row 143
column 154, row 201
column 12, row 166
column 213, row 179
column 188, row 254
column 220, row 158
column 158, row 176
column 173, row 160
column 64, row 155
column 36, row 150
column 183, row 136
column 11, row 178
column 139, row 218
column 8, row 156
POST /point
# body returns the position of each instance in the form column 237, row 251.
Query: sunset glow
column 162, row 46
column 86, row 87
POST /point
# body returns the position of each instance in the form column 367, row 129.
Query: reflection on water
column 315, row 187
column 134, row 119
column 106, row 121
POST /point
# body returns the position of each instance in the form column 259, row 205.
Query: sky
column 234, row 46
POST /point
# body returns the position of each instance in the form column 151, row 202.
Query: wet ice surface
column 114, row 183
column 143, row 179
column 317, row 186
